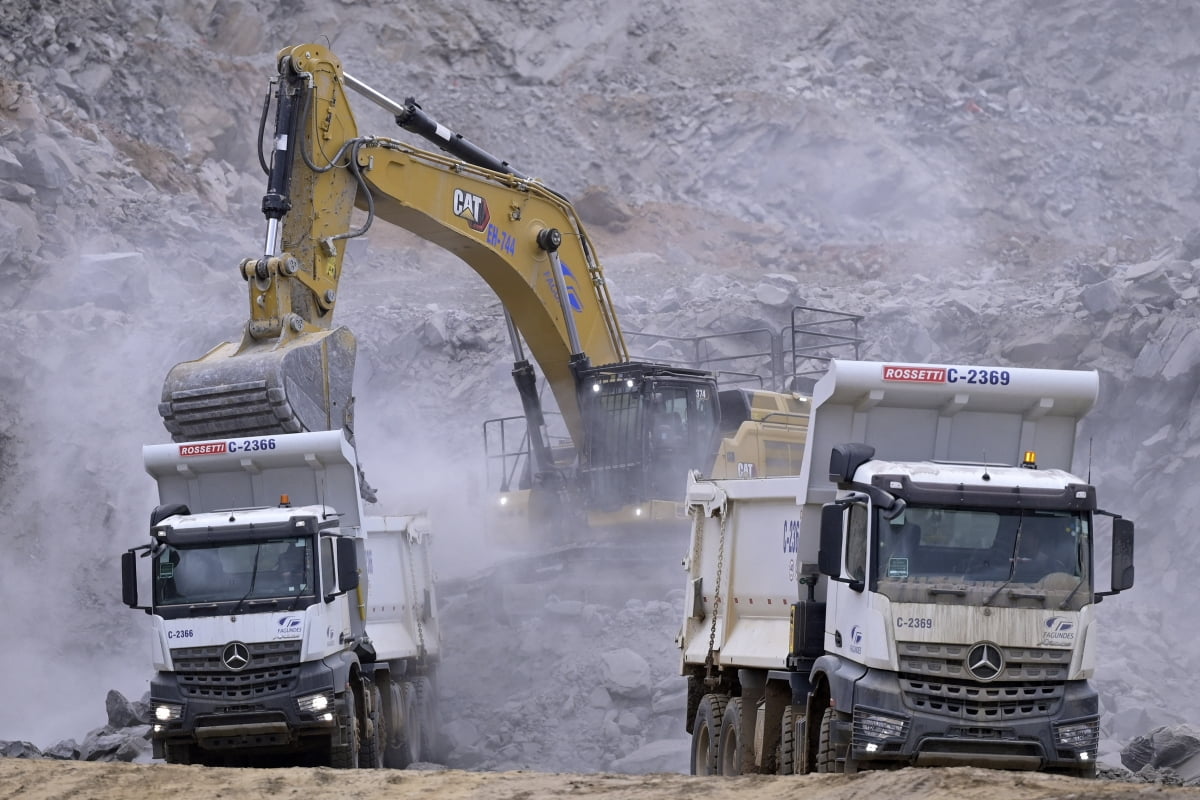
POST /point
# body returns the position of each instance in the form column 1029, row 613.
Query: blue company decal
column 501, row 240
column 571, row 284
column 185, row 633
column 1059, row 631
column 791, row 535
column 289, row 627
column 856, row 639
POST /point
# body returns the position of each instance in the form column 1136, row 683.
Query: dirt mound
column 35, row 780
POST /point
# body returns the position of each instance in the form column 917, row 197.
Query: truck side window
column 856, row 543
column 328, row 573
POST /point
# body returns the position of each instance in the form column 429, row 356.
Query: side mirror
column 829, row 556
column 129, row 588
column 347, row 565
column 1122, row 555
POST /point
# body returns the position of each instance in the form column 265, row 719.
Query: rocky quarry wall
column 988, row 182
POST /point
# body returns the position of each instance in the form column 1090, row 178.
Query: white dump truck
column 923, row 593
column 285, row 620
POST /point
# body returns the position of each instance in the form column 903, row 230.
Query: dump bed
column 310, row 468
column 401, row 603
column 746, row 554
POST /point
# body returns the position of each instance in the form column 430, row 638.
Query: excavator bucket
column 303, row 382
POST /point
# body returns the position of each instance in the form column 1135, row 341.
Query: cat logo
column 472, row 208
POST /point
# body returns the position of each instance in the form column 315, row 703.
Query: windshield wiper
column 296, row 598
column 1012, row 561
column 253, row 578
column 936, row 590
column 194, row 607
column 1071, row 594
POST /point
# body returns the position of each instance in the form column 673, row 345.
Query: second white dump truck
column 922, row 593
column 285, row 620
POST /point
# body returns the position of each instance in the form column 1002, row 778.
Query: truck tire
column 345, row 756
column 729, row 750
column 408, row 751
column 393, row 752
column 706, row 734
column 786, row 758
column 370, row 749
column 827, row 756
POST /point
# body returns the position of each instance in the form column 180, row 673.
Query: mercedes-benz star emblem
column 235, row 656
column 985, row 661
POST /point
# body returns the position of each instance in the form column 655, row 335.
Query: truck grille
column 982, row 703
column 947, row 661
column 273, row 668
column 934, row 679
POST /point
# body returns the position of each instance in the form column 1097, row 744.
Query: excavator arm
column 292, row 369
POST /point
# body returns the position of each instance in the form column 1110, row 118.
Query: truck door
column 850, row 606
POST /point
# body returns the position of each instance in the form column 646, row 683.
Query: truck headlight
column 1078, row 735
column 872, row 726
column 167, row 712
column 314, row 703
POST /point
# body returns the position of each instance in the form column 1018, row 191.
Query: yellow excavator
column 635, row 427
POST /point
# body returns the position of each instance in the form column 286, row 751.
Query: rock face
column 992, row 183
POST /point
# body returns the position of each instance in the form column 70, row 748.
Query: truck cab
column 283, row 629
column 959, row 612
column 251, row 627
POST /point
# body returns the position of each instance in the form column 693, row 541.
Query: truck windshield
column 1049, row 550
column 271, row 568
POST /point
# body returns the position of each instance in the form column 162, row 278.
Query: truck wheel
column 409, row 734
column 370, row 751
column 827, row 749
column 345, row 756
column 394, row 750
column 413, row 734
column 729, row 751
column 706, row 734
column 786, row 758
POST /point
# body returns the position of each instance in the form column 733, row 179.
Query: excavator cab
column 645, row 425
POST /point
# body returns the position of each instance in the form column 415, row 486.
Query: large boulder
column 626, row 673
column 19, row 749
column 1175, row 748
